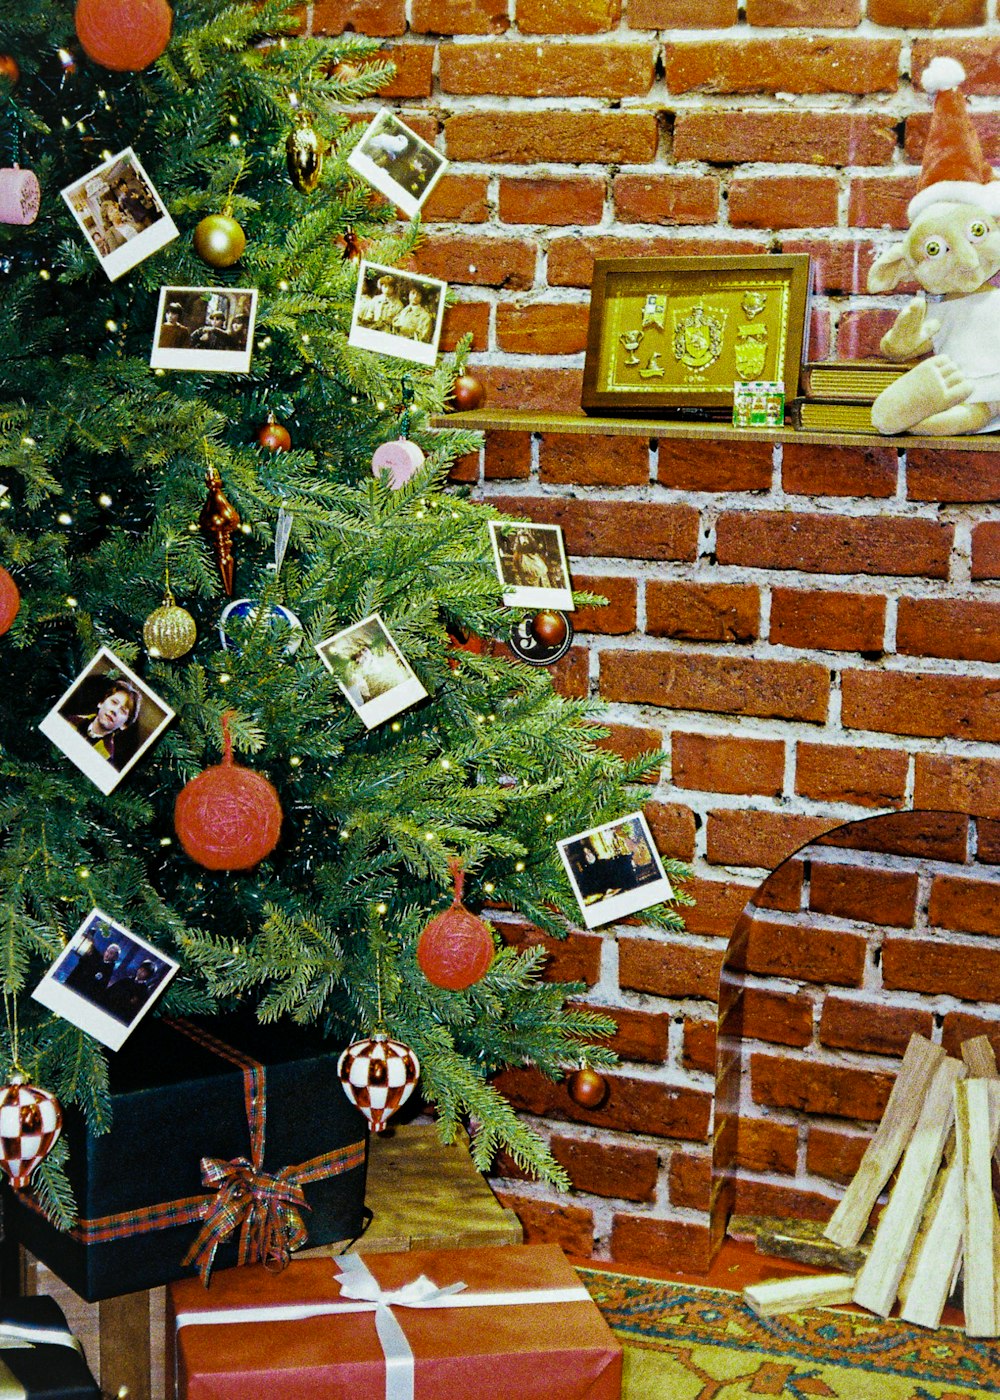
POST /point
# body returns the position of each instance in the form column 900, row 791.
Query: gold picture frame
column 679, row 332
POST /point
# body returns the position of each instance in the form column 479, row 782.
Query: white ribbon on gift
column 16, row 1336
column 360, row 1291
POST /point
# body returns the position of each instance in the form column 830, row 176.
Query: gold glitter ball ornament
column 169, row 631
column 219, row 240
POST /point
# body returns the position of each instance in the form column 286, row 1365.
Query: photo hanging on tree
column 106, row 721
column 105, row 979
column 397, row 162
column 531, row 564
column 615, row 870
column 208, row 329
column 397, row 313
column 121, row 215
column 371, row 671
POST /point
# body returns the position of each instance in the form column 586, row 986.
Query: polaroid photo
column 121, row 215
column 397, row 162
column 105, row 980
column 209, row 329
column 371, row 671
column 397, row 313
column 615, row 870
column 531, row 564
column 107, row 720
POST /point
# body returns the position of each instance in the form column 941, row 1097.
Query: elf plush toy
column 952, row 250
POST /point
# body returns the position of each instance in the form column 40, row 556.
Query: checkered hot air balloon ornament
column 378, row 1074
column 30, row 1123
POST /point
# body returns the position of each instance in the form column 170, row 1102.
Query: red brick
column 958, row 784
column 719, row 763
column 512, row 69
column 543, row 328
column 641, row 1240
column 641, row 1035
column 460, row 319
column 863, row 894
column 786, row 64
column 571, row 258
column 459, row 199
column 479, row 261
column 571, row 675
column 966, row 970
column 963, row 628
column 824, row 620
column 763, row 1146
column 926, row 14
column 717, row 906
column 833, row 544
column 625, row 530
column 414, row 76
column 525, row 138
column 725, row 136
column 669, row 970
column 507, row 456
column 985, row 124
column 532, row 390
column 782, row 201
column 803, row 953
column 625, row 1170
column 618, row 616
column 834, row 14
column 374, row 17
column 577, row 958
column 838, row 265
column 458, row 16
column 681, row 14
column 702, row 612
column 967, row 905
column 988, row 841
column 759, row 838
column 567, row 16
column 837, row 1156
column 782, row 889
column 703, row 465
column 880, row 201
column 575, row 459
column 632, row 1105
column 960, row 1026
column 986, row 549
column 545, row 1222
column 864, row 777
column 808, row 1086
column 629, row 742
column 690, row 1180
column 666, row 199
column 901, row 702
column 952, row 476
column 548, row 200
column 721, row 684
column 783, row 1202
column 673, row 829
column 859, row 333
column 927, row 835
column 870, row 1027
column 839, row 471
column 699, row 1045
column 465, row 469
column 779, row 1018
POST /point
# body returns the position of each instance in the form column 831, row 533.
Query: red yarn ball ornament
column 229, row 817
column 587, row 1088
column 456, row 948
column 123, row 35
column 10, row 601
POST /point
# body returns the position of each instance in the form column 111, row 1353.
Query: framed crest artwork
column 678, row 333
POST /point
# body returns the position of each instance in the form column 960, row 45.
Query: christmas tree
column 142, row 489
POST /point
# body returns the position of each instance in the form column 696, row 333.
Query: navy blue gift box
column 40, row 1359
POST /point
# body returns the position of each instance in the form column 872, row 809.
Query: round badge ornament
column 245, row 610
column 527, row 647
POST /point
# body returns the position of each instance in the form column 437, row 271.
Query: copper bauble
column 587, row 1088
column 10, row 601
column 549, row 627
column 124, row 35
column 219, row 240
column 228, row 817
column 274, row 436
column 304, row 154
column 9, row 68
column 30, row 1123
column 169, row 631
column 467, row 393
column 456, row 948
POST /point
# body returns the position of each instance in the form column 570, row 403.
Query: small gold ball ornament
column 219, row 240
column 304, row 154
column 169, row 631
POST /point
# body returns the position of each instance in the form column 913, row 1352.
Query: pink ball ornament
column 30, row 1123
column 378, row 1075
column 400, row 458
column 20, row 196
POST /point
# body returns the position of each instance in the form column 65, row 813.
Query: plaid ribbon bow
column 263, row 1206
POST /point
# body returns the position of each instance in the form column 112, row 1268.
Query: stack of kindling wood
column 940, row 1130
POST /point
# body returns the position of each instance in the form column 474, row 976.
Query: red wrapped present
column 442, row 1325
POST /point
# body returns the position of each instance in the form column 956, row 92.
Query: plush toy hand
column 911, row 333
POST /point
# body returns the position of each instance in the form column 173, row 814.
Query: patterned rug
column 684, row 1342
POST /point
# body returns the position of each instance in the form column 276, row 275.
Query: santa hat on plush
column 954, row 169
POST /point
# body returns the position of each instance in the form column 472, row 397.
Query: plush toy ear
column 888, row 269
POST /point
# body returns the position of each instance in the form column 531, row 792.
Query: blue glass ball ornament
column 245, row 610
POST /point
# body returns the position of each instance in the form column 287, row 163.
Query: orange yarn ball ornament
column 456, row 948
column 229, row 817
column 10, row 601
column 124, row 35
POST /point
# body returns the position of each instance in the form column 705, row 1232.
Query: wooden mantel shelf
column 514, row 421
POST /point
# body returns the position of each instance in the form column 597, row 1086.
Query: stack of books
column 837, row 395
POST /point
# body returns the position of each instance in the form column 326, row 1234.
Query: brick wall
column 811, row 631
